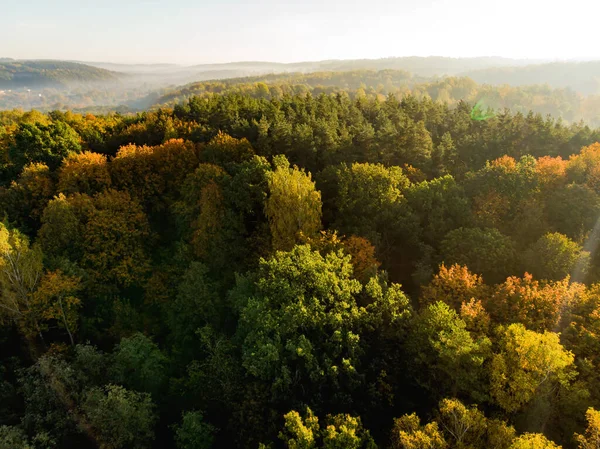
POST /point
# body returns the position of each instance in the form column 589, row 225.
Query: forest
column 340, row 270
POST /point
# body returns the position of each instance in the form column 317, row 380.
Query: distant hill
column 38, row 74
column 422, row 66
column 543, row 99
column 583, row 77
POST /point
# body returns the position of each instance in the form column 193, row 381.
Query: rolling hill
column 37, row 74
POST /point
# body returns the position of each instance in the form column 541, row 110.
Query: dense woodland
column 299, row 271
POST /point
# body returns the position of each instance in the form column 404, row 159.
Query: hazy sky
column 199, row 31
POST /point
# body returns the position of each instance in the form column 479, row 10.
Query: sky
column 201, row 31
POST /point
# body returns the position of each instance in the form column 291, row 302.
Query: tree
column 115, row 240
column 408, row 433
column 465, row 426
column 554, row 257
column 527, row 363
column 300, row 433
column 153, row 174
column 85, row 172
column 27, row 197
column 440, row 205
column 121, row 418
column 293, row 205
column 533, row 441
column 484, row 251
column 207, row 226
column 49, row 144
column 551, row 172
column 591, row 438
column 340, row 432
column 13, row 438
column 455, row 286
column 539, row 306
column 301, row 324
column 196, row 305
column 61, row 235
column 362, row 199
column 363, row 260
column 447, row 359
column 572, row 210
column 188, row 209
column 20, row 273
column 223, row 149
column 55, row 300
column 499, row 190
column 193, row 432
column 139, row 364
column 584, row 168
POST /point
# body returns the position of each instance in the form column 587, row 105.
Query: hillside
column 15, row 74
column 564, row 103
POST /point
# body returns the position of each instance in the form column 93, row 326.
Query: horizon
column 530, row 61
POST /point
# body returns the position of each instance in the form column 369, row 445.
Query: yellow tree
column 84, row 173
column 408, row 433
column 293, row 205
column 223, row 148
column 115, row 240
column 55, row 300
column 63, row 226
column 151, row 173
column 207, row 226
column 591, row 438
column 29, row 194
column 533, row 441
column 527, row 363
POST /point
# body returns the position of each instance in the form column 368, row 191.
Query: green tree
column 484, row 251
column 440, row 205
column 301, row 323
column 49, row 144
column 448, row 360
column 194, row 432
column 554, row 257
column 139, row 364
column 121, row 418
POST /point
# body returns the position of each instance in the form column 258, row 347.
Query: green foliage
column 139, row 364
column 448, row 359
column 43, row 143
column 193, row 432
column 554, row 256
column 485, row 251
column 121, row 418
